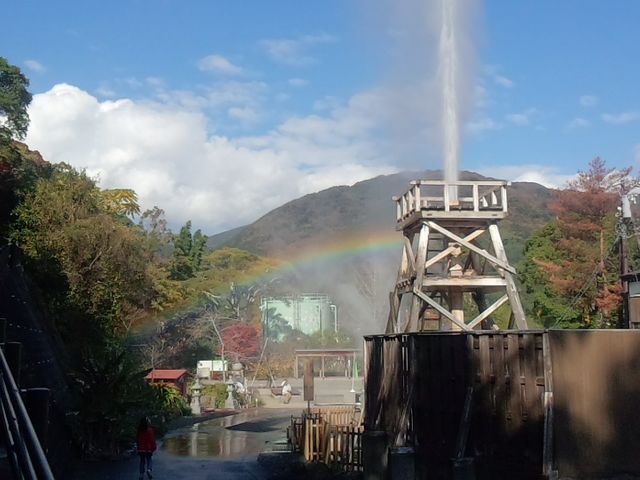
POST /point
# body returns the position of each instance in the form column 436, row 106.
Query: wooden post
column 308, row 380
column 547, row 445
column 456, row 305
column 476, row 199
column 421, row 260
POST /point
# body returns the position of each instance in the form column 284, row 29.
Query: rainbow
column 331, row 251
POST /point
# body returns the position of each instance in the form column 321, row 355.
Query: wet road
column 222, row 448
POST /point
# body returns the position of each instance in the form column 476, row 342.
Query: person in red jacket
column 146, row 441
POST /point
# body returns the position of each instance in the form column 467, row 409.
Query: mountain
column 320, row 235
column 365, row 208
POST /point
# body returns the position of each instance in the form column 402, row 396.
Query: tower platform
column 445, row 258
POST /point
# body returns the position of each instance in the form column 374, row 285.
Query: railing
column 451, row 197
column 25, row 454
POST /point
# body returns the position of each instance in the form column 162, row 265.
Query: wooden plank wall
column 596, row 381
column 431, row 375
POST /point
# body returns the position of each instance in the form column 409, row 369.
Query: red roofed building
column 176, row 378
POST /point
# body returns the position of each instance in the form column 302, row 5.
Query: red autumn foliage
column 582, row 207
column 584, row 212
column 241, row 342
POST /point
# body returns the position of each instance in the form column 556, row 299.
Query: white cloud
column 521, row 118
column 518, row 119
column 494, row 73
column 636, row 151
column 578, row 122
column 35, row 66
column 503, row 81
column 166, row 153
column 545, row 175
column 105, row 91
column 155, row 82
column 217, row 96
column 244, row 115
column 481, row 125
column 297, row 82
column 620, row 118
column 294, row 51
column 588, row 100
column 218, row 64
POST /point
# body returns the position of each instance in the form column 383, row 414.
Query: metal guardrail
column 25, row 453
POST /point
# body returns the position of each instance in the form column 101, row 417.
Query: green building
column 308, row 312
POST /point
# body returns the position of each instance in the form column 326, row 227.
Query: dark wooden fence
column 502, row 398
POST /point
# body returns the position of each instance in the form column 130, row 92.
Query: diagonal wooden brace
column 440, row 309
column 447, row 251
column 472, row 247
column 492, row 308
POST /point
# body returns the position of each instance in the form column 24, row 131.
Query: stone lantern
column 229, row 403
column 196, row 392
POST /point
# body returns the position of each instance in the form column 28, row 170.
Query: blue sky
column 201, row 105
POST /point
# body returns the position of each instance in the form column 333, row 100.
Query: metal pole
column 19, row 447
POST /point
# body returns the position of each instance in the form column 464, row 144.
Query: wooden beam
column 421, row 259
column 547, row 442
column 447, row 251
column 514, row 297
column 498, row 262
column 492, row 308
column 503, row 197
column 476, row 199
column 465, row 426
column 474, row 282
column 409, row 252
column 482, row 183
column 440, row 309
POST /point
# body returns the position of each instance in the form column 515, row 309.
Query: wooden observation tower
column 447, row 257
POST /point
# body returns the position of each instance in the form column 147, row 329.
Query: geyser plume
column 430, row 45
column 448, row 71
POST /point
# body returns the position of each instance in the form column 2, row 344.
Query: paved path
column 223, row 448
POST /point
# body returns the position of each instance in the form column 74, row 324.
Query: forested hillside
column 77, row 272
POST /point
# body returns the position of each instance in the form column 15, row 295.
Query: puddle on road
column 245, row 434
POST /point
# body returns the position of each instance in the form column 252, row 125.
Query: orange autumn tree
column 571, row 267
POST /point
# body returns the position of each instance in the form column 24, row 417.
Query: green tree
column 81, row 252
column 14, row 100
column 187, row 253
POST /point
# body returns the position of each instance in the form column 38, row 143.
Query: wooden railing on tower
column 487, row 198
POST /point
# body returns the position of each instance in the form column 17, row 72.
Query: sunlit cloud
column 620, row 118
column 295, row 51
column 166, row 153
column 35, row 66
column 218, row 64
column 578, row 122
column 588, row 100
